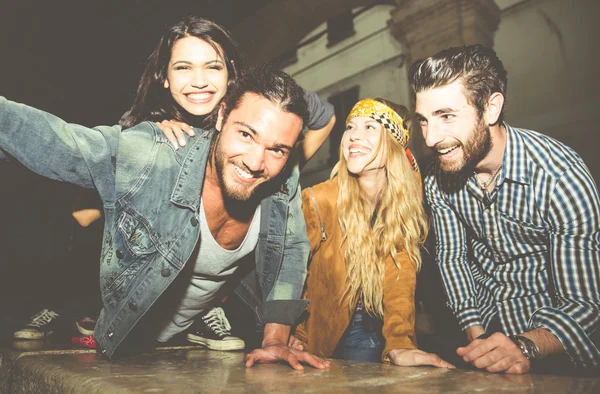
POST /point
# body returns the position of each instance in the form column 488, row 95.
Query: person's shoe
column 41, row 325
column 28, row 345
column 213, row 331
column 87, row 341
column 85, row 325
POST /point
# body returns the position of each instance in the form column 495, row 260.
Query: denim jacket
column 151, row 194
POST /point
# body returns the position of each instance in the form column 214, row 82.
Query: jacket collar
column 188, row 188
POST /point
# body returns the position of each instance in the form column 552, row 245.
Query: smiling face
column 362, row 145
column 452, row 128
column 196, row 75
column 253, row 145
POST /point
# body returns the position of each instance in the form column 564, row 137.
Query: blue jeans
column 362, row 340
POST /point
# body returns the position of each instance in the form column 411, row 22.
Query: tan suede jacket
column 329, row 311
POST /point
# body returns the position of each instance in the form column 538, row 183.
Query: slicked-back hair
column 477, row 67
column 152, row 100
column 272, row 84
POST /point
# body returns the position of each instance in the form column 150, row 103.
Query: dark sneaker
column 85, row 325
column 213, row 331
column 41, row 325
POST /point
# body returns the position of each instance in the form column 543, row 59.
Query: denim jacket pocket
column 135, row 235
column 134, row 249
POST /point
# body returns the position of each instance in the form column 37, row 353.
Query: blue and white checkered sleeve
column 451, row 256
column 575, row 266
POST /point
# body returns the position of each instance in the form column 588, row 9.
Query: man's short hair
column 476, row 66
column 272, row 84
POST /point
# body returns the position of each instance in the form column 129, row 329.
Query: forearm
column 574, row 223
column 313, row 140
column 474, row 331
column 292, row 273
column 399, row 305
column 547, row 343
column 276, row 334
column 572, row 331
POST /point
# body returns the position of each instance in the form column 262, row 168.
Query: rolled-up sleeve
column 575, row 266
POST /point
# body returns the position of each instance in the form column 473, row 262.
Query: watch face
column 524, row 349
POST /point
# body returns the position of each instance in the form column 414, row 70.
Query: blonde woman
column 366, row 226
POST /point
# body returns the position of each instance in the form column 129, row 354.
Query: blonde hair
column 400, row 223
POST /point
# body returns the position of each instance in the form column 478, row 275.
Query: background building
column 545, row 45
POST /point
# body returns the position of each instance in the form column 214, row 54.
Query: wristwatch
column 527, row 346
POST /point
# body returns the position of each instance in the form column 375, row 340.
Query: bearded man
column 517, row 222
column 180, row 222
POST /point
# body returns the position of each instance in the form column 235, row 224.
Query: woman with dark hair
column 366, row 226
column 187, row 74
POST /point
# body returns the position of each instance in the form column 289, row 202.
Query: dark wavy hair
column 476, row 66
column 152, row 101
column 267, row 82
column 272, row 84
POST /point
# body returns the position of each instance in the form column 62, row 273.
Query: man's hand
column 498, row 353
column 174, row 131
column 414, row 357
column 282, row 352
column 297, row 344
column 275, row 348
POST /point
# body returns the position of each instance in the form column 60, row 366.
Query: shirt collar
column 514, row 163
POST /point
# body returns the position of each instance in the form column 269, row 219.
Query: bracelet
column 527, row 347
column 485, row 335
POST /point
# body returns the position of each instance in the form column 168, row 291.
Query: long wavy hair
column 152, row 101
column 398, row 224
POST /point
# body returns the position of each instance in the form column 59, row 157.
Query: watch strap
column 527, row 347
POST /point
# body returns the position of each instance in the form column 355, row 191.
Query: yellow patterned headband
column 390, row 120
column 384, row 115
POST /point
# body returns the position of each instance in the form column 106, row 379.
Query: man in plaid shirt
column 517, row 222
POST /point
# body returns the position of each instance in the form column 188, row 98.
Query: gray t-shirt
column 320, row 112
column 197, row 288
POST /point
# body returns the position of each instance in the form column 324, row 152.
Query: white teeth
column 353, row 150
column 444, row 151
column 199, row 96
column 242, row 173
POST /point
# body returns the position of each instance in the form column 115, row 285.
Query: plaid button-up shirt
column 532, row 258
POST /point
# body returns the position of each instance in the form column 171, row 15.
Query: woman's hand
column 174, row 131
column 415, row 357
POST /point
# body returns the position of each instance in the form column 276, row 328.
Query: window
column 340, row 27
